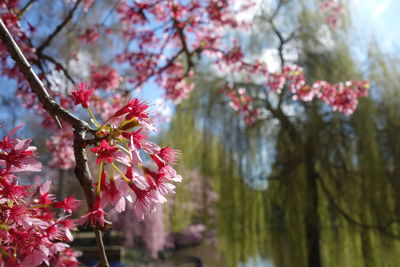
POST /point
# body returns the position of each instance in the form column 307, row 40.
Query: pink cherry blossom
column 81, row 95
column 105, row 152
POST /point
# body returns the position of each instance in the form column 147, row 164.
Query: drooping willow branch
column 81, row 128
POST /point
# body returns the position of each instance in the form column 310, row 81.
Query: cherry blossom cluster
column 166, row 31
column 332, row 10
column 342, row 97
column 105, row 77
column 242, row 103
column 131, row 168
column 61, row 146
column 165, row 38
column 31, row 234
column 90, row 35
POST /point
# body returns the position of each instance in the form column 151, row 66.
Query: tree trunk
column 312, row 221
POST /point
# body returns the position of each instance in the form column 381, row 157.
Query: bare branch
column 58, row 28
column 55, row 62
column 49, row 104
column 25, row 8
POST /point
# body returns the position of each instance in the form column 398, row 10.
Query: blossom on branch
column 81, row 95
column 31, row 235
column 104, row 152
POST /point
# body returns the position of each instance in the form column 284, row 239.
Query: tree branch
column 81, row 128
column 25, row 8
column 61, row 66
column 58, row 28
column 49, row 104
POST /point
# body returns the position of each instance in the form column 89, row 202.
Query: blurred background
column 305, row 187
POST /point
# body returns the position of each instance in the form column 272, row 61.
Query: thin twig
column 55, row 62
column 58, row 28
column 25, row 8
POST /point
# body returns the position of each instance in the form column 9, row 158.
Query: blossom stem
column 40, row 206
column 2, row 226
column 112, row 174
column 99, row 179
column 120, row 172
column 3, row 253
column 93, row 117
column 104, row 123
column 124, row 149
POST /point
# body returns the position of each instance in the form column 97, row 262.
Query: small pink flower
column 91, row 35
column 17, row 155
column 105, row 153
column 169, row 155
column 134, row 108
column 95, row 217
column 81, row 95
column 105, row 77
column 68, row 205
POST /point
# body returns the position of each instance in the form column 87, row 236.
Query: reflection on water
column 256, row 261
column 212, row 257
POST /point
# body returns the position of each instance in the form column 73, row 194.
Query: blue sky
column 372, row 18
column 380, row 18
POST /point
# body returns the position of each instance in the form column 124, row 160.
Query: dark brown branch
column 114, row 7
column 82, row 171
column 55, row 62
column 281, row 42
column 284, row 120
column 182, row 38
column 58, row 28
column 161, row 69
column 25, row 8
column 277, row 9
column 35, row 83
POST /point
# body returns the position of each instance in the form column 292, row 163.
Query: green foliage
column 332, row 179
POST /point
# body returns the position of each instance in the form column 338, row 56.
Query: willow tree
column 331, row 187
